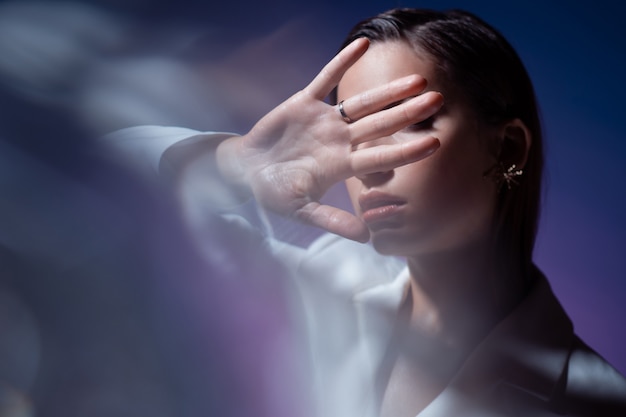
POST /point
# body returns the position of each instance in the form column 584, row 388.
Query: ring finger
column 353, row 108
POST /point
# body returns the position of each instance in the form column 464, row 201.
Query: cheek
column 451, row 183
column 464, row 197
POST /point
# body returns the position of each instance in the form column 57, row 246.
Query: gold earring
column 498, row 174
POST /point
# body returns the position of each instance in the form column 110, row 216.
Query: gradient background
column 220, row 66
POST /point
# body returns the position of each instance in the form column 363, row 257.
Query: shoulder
column 593, row 387
column 545, row 369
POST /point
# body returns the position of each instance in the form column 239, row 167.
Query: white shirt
column 530, row 364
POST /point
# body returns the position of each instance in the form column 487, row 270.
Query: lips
column 377, row 206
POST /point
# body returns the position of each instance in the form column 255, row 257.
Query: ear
column 515, row 144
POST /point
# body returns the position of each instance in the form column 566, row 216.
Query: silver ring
column 344, row 116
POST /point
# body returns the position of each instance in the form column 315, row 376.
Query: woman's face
column 442, row 202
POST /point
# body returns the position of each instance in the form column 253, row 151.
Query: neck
column 459, row 295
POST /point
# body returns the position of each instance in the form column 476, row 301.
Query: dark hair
column 477, row 63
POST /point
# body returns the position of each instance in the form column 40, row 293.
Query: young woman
column 434, row 127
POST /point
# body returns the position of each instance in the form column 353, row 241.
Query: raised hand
column 294, row 154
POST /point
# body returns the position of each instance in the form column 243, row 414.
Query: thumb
column 334, row 220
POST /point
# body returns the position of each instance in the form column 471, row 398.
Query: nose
column 375, row 178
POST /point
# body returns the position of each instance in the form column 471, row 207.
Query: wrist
column 230, row 167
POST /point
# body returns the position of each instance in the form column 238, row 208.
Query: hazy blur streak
column 110, row 71
column 114, row 311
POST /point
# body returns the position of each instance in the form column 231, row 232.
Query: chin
column 392, row 243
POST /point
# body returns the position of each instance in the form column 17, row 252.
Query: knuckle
column 380, row 124
column 366, row 99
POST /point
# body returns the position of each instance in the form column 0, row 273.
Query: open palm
column 294, row 154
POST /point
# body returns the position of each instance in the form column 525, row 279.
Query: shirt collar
column 527, row 351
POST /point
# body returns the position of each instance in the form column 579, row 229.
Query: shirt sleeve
column 161, row 152
column 149, row 147
column 167, row 154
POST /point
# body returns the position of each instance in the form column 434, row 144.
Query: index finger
column 331, row 74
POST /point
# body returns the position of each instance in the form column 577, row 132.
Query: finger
column 389, row 121
column 378, row 98
column 334, row 220
column 383, row 158
column 329, row 76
